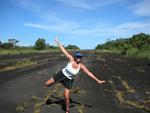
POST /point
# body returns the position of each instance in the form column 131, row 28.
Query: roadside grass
column 24, row 51
column 128, row 88
column 21, row 108
column 80, row 108
column 121, row 96
column 100, row 58
column 107, row 51
column 144, row 52
column 125, row 84
column 38, row 103
column 140, row 69
column 19, row 64
column 135, row 104
column 28, row 51
column 132, row 52
column 77, row 90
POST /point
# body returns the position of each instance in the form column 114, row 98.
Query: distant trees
column 9, row 45
column 40, row 44
column 118, row 43
column 72, row 47
column 0, row 45
column 137, row 41
column 13, row 42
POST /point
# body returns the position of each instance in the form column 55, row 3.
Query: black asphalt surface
column 24, row 87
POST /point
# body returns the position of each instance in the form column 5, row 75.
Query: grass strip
column 19, row 64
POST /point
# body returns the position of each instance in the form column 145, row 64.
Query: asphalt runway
column 127, row 89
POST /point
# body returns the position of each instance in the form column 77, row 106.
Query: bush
column 1, row 45
column 132, row 51
column 137, row 45
column 40, row 44
column 7, row 45
column 72, row 47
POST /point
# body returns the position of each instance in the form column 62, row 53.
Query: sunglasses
column 79, row 57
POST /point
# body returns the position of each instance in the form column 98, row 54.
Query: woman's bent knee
column 66, row 97
column 49, row 82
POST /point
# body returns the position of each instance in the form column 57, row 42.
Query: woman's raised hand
column 56, row 40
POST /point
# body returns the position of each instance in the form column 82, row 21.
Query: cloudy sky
column 84, row 23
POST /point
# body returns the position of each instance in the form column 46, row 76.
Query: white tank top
column 69, row 71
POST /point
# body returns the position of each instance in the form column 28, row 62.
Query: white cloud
column 38, row 5
column 142, row 8
column 57, row 25
column 88, row 4
column 52, row 23
column 76, row 3
column 29, row 4
column 99, row 30
column 135, row 26
column 36, row 26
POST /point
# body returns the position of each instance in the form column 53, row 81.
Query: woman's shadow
column 61, row 102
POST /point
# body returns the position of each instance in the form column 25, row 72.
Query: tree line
column 40, row 44
column 136, row 42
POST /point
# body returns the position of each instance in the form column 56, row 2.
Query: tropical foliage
column 137, row 45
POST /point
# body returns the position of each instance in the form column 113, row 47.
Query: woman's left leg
column 49, row 82
column 67, row 97
column 58, row 77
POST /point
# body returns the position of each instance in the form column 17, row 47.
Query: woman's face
column 78, row 59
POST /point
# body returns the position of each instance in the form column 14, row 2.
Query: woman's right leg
column 49, row 82
column 67, row 96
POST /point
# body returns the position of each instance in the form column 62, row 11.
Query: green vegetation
column 137, row 46
column 38, row 104
column 21, row 108
column 72, row 47
column 122, row 95
column 77, row 90
column 19, row 64
column 8, row 45
column 80, row 108
column 24, row 51
column 40, row 46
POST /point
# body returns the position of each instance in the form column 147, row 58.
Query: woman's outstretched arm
column 84, row 69
column 69, row 56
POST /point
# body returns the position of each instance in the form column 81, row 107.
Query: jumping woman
column 66, row 75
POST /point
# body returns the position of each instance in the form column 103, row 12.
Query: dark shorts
column 60, row 77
